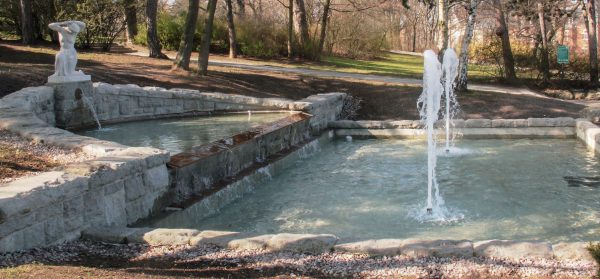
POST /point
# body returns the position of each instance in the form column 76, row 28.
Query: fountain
column 429, row 106
column 66, row 60
column 450, row 71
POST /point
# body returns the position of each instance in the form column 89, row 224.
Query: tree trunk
column 206, row 38
column 27, row 33
column 414, row 38
column 290, row 41
column 591, row 28
column 131, row 19
column 153, row 42
column 443, row 34
column 233, row 51
column 242, row 7
column 545, row 63
column 463, row 66
column 507, row 55
column 182, row 61
column 324, row 21
column 301, row 24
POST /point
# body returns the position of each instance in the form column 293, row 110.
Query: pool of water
column 366, row 189
column 180, row 134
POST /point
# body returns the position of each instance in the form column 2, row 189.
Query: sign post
column 562, row 53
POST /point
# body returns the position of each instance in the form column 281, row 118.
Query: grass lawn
column 400, row 65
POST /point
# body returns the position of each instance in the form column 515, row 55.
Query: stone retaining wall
column 122, row 184
column 119, row 103
column 562, row 127
column 199, row 172
column 118, row 187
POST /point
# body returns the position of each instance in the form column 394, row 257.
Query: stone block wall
column 118, row 103
column 57, row 206
column 36, row 101
column 122, row 184
column 203, row 170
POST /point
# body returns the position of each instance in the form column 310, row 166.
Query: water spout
column 449, row 67
column 90, row 105
column 429, row 106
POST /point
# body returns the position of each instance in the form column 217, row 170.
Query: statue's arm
column 60, row 26
column 57, row 26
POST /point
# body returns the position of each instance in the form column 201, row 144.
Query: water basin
column 181, row 134
column 370, row 189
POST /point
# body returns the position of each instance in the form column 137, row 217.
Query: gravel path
column 26, row 158
column 262, row 263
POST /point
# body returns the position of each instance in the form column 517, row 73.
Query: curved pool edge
column 511, row 250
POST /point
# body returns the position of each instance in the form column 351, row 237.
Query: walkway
column 256, row 66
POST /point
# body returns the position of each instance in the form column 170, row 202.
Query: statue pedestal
column 69, row 105
column 66, row 79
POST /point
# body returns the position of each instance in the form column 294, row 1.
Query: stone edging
column 324, row 243
column 121, row 184
column 457, row 123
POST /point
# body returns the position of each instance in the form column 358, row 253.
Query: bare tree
column 443, row 34
column 182, row 61
column 206, row 38
column 324, row 21
column 507, row 55
column 130, row 7
column 27, row 32
column 290, row 39
column 545, row 60
column 591, row 28
column 154, row 47
column 301, row 26
column 233, row 52
column 466, row 42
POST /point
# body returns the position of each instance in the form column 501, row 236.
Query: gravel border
column 56, row 154
column 321, row 265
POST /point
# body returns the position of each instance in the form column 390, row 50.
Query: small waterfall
column 90, row 105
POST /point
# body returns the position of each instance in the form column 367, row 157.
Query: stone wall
column 589, row 133
column 562, row 127
column 202, row 171
column 57, row 206
column 118, row 103
column 122, row 184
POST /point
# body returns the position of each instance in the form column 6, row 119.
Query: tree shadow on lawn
column 28, row 67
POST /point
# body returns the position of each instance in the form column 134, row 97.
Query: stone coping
column 324, row 243
column 223, row 145
column 457, row 123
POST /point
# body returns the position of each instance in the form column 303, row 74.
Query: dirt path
column 22, row 66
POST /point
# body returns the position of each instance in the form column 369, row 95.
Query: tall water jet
column 429, row 106
column 434, row 75
column 449, row 73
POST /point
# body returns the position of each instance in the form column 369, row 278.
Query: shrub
column 350, row 108
column 261, row 39
column 488, row 52
column 170, row 30
column 104, row 21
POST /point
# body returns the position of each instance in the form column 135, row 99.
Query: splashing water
column 90, row 105
column 450, row 71
column 429, row 109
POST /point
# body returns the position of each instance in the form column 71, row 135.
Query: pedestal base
column 71, row 78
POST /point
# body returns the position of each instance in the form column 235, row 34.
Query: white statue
column 66, row 58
